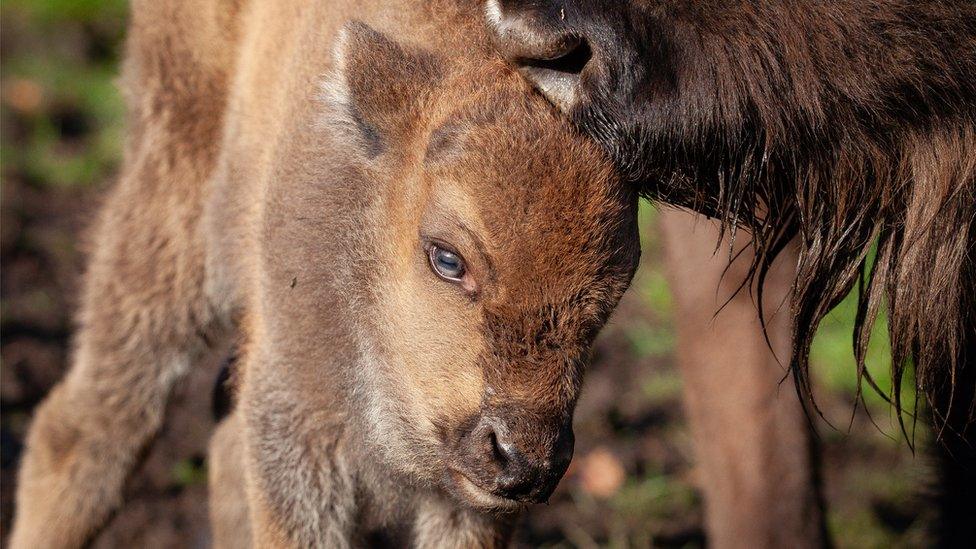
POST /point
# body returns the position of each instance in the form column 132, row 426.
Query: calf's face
column 500, row 242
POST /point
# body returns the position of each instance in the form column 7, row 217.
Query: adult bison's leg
column 753, row 443
column 955, row 484
column 955, row 452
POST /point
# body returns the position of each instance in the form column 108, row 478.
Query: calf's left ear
column 379, row 87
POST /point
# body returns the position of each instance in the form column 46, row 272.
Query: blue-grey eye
column 446, row 264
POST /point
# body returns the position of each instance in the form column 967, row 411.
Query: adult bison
column 848, row 125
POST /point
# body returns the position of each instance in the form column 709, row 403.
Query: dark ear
column 538, row 39
column 379, row 87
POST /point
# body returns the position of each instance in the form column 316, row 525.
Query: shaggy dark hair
column 846, row 124
column 866, row 137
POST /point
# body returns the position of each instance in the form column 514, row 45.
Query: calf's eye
column 446, row 264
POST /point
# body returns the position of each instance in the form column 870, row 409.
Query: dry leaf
column 23, row 95
column 600, row 473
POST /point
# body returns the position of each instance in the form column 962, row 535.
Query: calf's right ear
column 379, row 88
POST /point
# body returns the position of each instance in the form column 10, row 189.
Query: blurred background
column 633, row 481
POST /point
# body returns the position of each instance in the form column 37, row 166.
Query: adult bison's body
column 849, row 125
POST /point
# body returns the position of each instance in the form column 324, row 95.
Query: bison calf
column 416, row 252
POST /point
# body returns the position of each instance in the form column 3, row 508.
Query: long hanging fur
column 849, row 125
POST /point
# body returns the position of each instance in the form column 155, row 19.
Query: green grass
column 651, row 284
column 661, row 387
column 45, row 14
column 834, row 369
column 189, row 473
column 43, row 156
column 651, row 338
column 67, row 86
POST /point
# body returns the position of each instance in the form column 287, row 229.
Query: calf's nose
column 528, row 465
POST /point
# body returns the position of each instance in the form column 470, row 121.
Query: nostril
column 550, row 51
column 527, row 33
column 572, row 61
column 516, row 477
column 498, row 451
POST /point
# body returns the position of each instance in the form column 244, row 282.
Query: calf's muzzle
column 520, row 459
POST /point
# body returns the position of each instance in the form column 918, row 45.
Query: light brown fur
column 229, row 514
column 278, row 190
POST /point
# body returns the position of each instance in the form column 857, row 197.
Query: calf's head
column 487, row 244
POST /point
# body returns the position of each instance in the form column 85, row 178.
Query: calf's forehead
column 541, row 188
column 549, row 207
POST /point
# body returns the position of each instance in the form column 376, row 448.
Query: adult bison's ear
column 541, row 39
column 379, row 87
column 605, row 64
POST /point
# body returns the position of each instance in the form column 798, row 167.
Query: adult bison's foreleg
column 752, row 440
column 955, row 448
